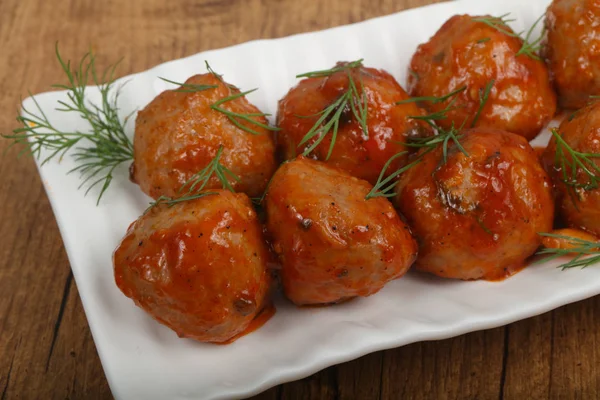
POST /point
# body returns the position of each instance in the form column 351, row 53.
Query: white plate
column 144, row 360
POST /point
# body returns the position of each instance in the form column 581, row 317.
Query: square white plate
column 144, row 360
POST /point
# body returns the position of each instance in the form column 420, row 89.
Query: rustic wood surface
column 46, row 349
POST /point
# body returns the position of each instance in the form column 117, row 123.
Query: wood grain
column 46, row 349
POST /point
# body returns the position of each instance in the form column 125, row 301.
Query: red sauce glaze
column 515, row 269
column 178, row 134
column 571, row 49
column 199, row 267
column 388, row 124
column 579, row 208
column 477, row 216
column 332, row 243
column 539, row 150
column 468, row 53
column 265, row 315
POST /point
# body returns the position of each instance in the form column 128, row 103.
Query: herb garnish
column 433, row 99
column 234, row 117
column 328, row 72
column 189, row 87
column 570, row 162
column 483, row 98
column 444, row 136
column 528, row 48
column 581, row 248
column 193, row 187
column 329, row 118
column 384, row 185
column 99, row 151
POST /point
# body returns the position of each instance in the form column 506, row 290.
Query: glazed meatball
column 199, row 267
column 178, row 134
column 477, row 216
column 332, row 243
column 571, row 49
column 388, row 125
column 578, row 205
column 468, row 53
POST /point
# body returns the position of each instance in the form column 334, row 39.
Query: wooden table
column 46, row 350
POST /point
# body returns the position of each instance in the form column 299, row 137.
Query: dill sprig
column 436, row 115
column 217, row 75
column 170, row 202
column 189, row 87
column 328, row 72
column 529, row 47
column 433, row 99
column 570, row 162
column 581, row 249
column 499, row 23
column 237, row 118
column 483, row 98
column 234, row 117
column 200, row 179
column 443, row 137
column 385, row 185
column 329, row 118
column 452, row 96
column 98, row 151
column 193, row 188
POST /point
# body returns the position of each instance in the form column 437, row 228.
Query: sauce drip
column 539, row 151
column 508, row 272
column 256, row 323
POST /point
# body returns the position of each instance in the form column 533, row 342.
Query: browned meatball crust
column 578, row 204
column 178, row 134
column 472, row 54
column 199, row 267
column 477, row 216
column 389, row 125
column 332, row 243
column 572, row 50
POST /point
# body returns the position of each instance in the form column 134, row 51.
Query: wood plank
column 529, row 349
column 575, row 363
column 465, row 367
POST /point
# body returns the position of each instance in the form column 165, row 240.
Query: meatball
column 578, row 203
column 466, row 53
column 199, row 267
column 332, row 243
column 362, row 155
column 571, row 49
column 178, row 134
column 477, row 216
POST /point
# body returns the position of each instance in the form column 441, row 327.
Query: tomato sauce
column 261, row 319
